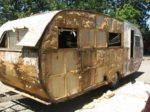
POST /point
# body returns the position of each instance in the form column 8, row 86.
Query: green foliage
column 128, row 12
column 13, row 9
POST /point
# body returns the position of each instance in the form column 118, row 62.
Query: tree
column 13, row 9
column 134, row 11
column 128, row 12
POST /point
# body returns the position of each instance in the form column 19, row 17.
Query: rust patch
column 51, row 36
column 25, row 70
column 86, row 79
column 104, row 25
column 100, row 58
column 115, row 63
column 17, row 73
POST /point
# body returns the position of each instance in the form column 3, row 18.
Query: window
column 114, row 39
column 67, row 38
column 137, row 41
column 4, row 42
column 11, row 38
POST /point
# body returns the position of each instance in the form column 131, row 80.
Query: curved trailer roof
column 35, row 25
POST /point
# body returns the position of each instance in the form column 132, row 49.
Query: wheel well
column 119, row 74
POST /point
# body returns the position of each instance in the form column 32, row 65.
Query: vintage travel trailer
column 57, row 55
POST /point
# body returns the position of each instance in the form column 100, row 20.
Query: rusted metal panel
column 62, row 78
column 105, row 23
column 100, row 65
column 102, row 23
column 86, row 72
column 101, row 39
column 115, row 63
column 125, row 66
column 85, row 20
column 72, row 83
column 56, row 86
column 23, row 61
column 21, row 71
column 87, row 38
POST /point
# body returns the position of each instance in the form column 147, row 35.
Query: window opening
column 114, row 39
column 11, row 38
column 67, row 38
column 4, row 42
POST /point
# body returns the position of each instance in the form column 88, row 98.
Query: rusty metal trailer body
column 58, row 55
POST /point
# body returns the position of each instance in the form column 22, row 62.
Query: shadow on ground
column 73, row 104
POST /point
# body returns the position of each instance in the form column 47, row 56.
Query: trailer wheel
column 115, row 81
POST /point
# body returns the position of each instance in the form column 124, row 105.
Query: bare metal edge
column 26, row 95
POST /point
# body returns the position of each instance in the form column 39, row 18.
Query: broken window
column 11, row 38
column 67, row 38
column 114, row 39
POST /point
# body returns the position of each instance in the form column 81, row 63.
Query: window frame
column 4, row 36
column 139, row 42
column 108, row 36
column 69, row 30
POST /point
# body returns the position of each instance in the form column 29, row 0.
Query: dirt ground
column 129, row 97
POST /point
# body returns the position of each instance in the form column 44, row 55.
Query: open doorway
column 132, row 43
